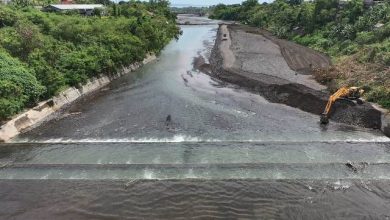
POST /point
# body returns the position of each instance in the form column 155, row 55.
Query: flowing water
column 169, row 142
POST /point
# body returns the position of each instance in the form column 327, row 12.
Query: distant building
column 84, row 9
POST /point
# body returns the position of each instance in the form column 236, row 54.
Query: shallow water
column 225, row 154
column 213, row 160
column 194, row 199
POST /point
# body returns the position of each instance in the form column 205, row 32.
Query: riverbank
column 43, row 53
column 281, row 72
column 45, row 109
column 192, row 19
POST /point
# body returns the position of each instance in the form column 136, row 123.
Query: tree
column 248, row 4
column 353, row 10
column 305, row 17
column 18, row 86
column 325, row 11
column 294, row 2
column 21, row 3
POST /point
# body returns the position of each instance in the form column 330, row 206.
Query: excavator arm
column 341, row 93
column 344, row 92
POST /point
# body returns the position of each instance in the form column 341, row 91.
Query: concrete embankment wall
column 386, row 124
column 293, row 94
column 45, row 109
column 385, row 119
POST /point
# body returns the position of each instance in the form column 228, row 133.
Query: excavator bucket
column 324, row 120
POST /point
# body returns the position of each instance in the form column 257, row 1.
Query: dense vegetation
column 355, row 35
column 43, row 53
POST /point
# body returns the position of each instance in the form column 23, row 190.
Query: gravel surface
column 258, row 56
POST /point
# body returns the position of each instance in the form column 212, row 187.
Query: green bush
column 18, row 86
column 51, row 51
column 14, row 71
column 49, row 76
column 365, row 37
column 9, row 107
column 383, row 57
column 312, row 40
column 349, row 48
column 383, row 33
column 381, row 95
column 8, row 17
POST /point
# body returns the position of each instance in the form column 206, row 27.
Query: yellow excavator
column 350, row 94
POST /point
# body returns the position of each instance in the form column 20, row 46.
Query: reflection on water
column 195, row 199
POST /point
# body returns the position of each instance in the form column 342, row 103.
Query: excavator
column 345, row 93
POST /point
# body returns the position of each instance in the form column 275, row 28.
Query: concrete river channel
column 170, row 142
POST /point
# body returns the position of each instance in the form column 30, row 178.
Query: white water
column 189, row 139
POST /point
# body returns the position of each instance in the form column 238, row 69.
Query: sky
column 207, row 2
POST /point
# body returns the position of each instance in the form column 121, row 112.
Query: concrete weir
column 32, row 117
column 258, row 61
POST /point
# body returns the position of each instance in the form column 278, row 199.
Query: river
column 169, row 142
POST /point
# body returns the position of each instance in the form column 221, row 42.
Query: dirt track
column 299, row 58
column 281, row 72
column 259, row 56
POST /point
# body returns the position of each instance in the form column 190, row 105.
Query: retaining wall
column 43, row 110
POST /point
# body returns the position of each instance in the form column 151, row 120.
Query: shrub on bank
column 43, row 53
column 18, row 86
column 381, row 95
